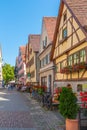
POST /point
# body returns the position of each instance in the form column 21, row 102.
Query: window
column 43, row 45
column 42, row 63
column 76, row 58
column 49, row 58
column 61, row 65
column 65, row 17
column 56, row 68
column 70, row 60
column 46, row 41
column 44, row 81
column 82, row 56
column 64, row 33
column 46, row 59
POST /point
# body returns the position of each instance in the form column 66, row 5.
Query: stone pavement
column 18, row 111
column 44, row 119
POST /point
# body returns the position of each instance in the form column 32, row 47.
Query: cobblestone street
column 18, row 111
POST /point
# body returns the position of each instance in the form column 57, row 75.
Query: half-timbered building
column 69, row 51
column 32, row 59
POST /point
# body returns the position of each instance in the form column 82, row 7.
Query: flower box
column 75, row 68
column 66, row 70
column 79, row 66
column 82, row 65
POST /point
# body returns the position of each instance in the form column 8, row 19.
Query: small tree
column 68, row 103
column 8, row 73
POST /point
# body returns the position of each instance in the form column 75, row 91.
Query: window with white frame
column 44, row 60
column 82, row 55
column 70, row 60
column 76, row 58
column 46, row 41
column 43, row 44
column 48, row 58
column 44, row 81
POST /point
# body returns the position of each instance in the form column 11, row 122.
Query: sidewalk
column 44, row 119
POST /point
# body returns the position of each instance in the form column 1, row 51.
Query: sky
column 18, row 19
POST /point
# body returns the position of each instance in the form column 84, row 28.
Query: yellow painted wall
column 78, row 48
column 59, row 77
column 75, row 75
column 85, row 74
column 68, row 76
column 67, row 44
column 81, row 34
column 63, row 57
column 81, row 73
column 76, row 26
column 32, row 68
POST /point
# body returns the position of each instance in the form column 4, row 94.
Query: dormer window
column 65, row 16
column 64, row 33
column 45, row 43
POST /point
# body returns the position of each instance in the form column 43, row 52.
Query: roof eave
column 58, row 22
column 81, row 26
column 56, row 29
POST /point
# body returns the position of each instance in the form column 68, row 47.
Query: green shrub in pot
column 68, row 103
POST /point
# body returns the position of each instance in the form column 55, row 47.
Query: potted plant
column 68, row 108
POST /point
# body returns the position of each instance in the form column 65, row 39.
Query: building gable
column 69, row 32
column 44, row 40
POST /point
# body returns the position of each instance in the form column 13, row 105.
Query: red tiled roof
column 79, row 9
column 22, row 49
column 50, row 24
column 34, row 40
